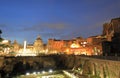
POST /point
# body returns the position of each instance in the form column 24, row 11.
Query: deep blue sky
column 61, row 19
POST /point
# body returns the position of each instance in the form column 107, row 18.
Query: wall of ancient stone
column 100, row 67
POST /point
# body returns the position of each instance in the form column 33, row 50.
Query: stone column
column 25, row 44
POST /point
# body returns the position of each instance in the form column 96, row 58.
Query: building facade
column 112, row 33
column 76, row 46
column 38, row 46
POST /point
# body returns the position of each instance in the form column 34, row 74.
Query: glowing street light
column 43, row 72
column 38, row 72
column 34, row 72
column 27, row 73
column 50, row 71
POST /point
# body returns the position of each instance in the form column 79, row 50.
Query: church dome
column 38, row 38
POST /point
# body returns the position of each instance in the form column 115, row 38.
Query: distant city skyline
column 61, row 19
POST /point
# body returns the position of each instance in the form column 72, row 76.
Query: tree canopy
column 0, row 31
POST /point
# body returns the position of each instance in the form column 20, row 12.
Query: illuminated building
column 75, row 46
column 16, row 46
column 55, row 46
column 76, row 49
column 5, row 47
column 95, row 43
column 38, row 45
column 32, row 49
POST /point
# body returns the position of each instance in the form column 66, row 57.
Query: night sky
column 61, row 19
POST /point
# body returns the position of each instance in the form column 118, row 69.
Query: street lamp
column 27, row 73
column 50, row 71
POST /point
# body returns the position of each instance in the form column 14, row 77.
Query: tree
column 0, row 33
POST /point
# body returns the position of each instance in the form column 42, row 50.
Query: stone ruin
column 112, row 33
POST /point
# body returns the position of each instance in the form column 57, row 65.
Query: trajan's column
column 25, row 44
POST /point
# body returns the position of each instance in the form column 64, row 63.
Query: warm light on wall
column 5, row 41
column 74, row 45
